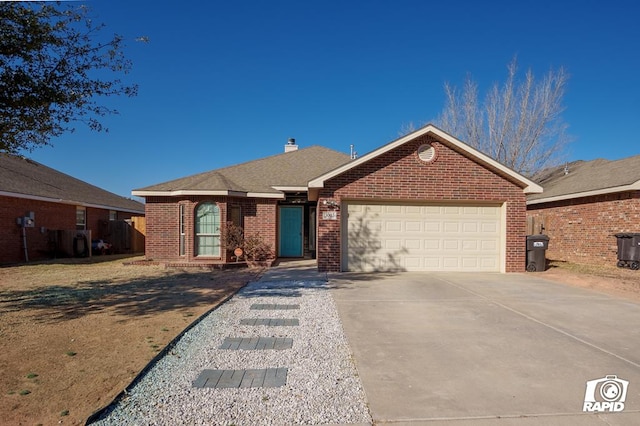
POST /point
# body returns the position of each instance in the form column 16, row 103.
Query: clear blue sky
column 228, row 82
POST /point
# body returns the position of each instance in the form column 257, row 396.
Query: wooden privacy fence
column 125, row 237
column 139, row 225
column 535, row 225
column 69, row 243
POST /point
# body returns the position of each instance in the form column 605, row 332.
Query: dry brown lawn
column 620, row 282
column 74, row 333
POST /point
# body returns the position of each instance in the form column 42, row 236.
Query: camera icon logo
column 607, row 394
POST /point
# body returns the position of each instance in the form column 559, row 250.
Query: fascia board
column 179, row 192
column 624, row 188
column 98, row 206
column 530, row 187
column 266, row 195
column 290, row 188
column 68, row 202
column 183, row 192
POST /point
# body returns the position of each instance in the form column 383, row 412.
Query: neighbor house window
column 207, row 226
column 113, row 215
column 81, row 218
column 182, row 230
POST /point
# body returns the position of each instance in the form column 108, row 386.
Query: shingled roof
column 266, row 177
column 24, row 178
column 587, row 178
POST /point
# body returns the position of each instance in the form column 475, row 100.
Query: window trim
column 81, row 226
column 182, row 243
column 198, row 235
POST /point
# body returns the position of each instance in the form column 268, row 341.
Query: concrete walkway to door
column 485, row 349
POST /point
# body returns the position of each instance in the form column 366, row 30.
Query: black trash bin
column 537, row 246
column 628, row 250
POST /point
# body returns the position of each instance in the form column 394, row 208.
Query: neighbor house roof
column 267, row 177
column 587, row 178
column 528, row 186
column 24, row 178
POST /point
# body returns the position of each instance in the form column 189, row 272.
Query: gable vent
column 427, row 153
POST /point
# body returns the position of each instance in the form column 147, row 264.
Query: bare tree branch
column 520, row 122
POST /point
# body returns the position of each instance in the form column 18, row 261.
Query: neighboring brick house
column 54, row 201
column 423, row 202
column 584, row 205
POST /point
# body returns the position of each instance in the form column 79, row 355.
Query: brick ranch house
column 584, row 204
column 51, row 201
column 424, row 202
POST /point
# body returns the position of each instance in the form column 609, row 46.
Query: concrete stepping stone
column 256, row 343
column 273, row 306
column 250, row 378
column 271, row 322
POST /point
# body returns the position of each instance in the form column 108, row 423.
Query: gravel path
column 322, row 387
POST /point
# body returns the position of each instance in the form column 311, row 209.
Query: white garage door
column 422, row 238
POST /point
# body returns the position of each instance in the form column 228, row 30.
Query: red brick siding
column 162, row 215
column 582, row 230
column 401, row 176
column 162, row 239
column 51, row 216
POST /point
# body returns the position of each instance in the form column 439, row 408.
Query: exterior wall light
column 332, row 204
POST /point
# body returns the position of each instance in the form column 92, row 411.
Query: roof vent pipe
column 291, row 145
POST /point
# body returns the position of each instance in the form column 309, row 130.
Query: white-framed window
column 182, row 230
column 113, row 215
column 207, row 230
column 81, row 218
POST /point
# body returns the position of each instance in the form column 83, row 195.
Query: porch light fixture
column 331, row 204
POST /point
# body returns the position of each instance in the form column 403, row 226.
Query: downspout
column 24, row 242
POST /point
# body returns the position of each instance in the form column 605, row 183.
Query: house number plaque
column 330, row 215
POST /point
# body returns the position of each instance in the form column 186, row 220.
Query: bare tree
column 407, row 128
column 519, row 124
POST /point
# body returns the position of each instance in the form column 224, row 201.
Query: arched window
column 207, row 226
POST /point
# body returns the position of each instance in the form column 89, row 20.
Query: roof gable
column 24, row 178
column 587, row 178
column 265, row 177
column 486, row 161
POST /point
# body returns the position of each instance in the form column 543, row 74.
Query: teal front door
column 290, row 241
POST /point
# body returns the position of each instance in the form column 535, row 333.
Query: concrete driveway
column 487, row 348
